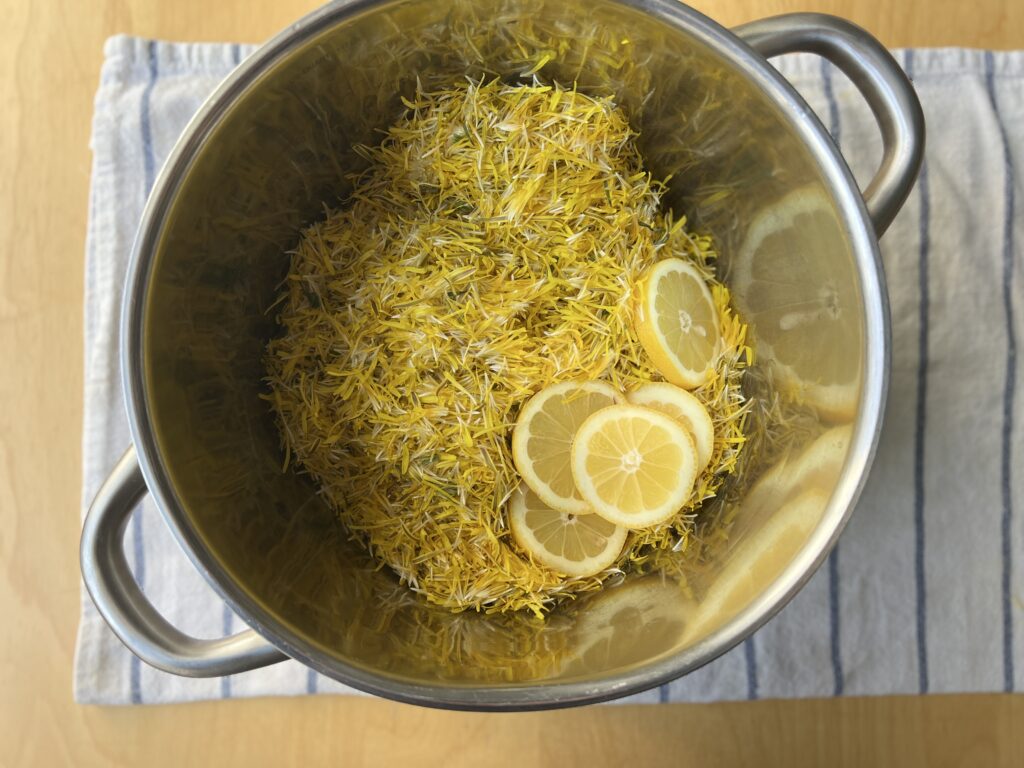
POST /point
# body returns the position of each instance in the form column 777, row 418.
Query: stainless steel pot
column 258, row 162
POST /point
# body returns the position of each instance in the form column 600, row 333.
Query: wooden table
column 51, row 53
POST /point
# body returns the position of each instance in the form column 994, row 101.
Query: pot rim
column 542, row 695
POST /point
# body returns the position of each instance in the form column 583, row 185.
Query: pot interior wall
column 269, row 164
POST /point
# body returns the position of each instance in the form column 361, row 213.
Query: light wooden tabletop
column 51, row 53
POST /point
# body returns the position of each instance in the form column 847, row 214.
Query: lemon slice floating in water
column 576, row 545
column 628, row 624
column 801, row 299
column 542, row 439
column 634, row 466
column 677, row 323
column 758, row 560
column 815, row 467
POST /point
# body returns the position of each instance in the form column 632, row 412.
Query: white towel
column 925, row 592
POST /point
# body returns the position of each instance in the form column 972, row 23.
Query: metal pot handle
column 880, row 80
column 127, row 611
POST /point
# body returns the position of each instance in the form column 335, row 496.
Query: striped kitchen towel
column 924, row 592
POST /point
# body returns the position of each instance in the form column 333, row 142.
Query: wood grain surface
column 50, row 52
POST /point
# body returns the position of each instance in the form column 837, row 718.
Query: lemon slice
column 795, row 282
column 819, row 464
column 758, row 560
column 677, row 324
column 634, row 466
column 815, row 467
column 576, row 545
column 542, row 439
column 629, row 624
column 684, row 408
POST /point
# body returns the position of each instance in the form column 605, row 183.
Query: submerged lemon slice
column 799, row 293
column 628, row 624
column 677, row 324
column 815, row 467
column 634, row 466
column 684, row 408
column 542, row 439
column 576, row 545
column 758, row 560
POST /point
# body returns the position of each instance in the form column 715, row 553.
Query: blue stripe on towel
column 149, row 173
column 148, row 157
column 1010, row 386
column 835, row 128
column 920, row 429
column 226, row 629
column 750, row 654
column 311, row 681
